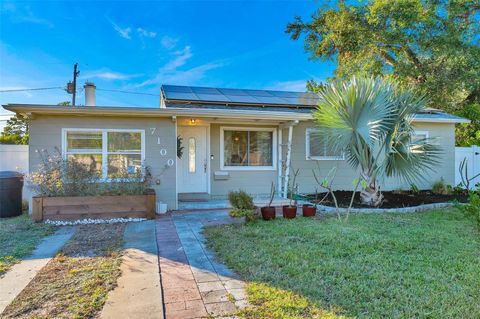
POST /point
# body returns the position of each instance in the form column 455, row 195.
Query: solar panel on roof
column 243, row 99
column 202, row 90
column 230, row 96
column 232, row 91
column 258, row 93
column 182, row 96
column 175, row 88
column 213, row 97
column 284, row 94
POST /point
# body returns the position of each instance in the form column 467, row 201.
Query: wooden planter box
column 81, row 207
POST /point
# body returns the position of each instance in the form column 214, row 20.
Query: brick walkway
column 194, row 284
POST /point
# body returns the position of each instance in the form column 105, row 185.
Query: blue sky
column 137, row 46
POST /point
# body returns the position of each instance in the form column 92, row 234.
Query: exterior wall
column 46, row 133
column 257, row 183
column 445, row 134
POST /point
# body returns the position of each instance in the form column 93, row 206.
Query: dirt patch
column 75, row 283
column 393, row 199
column 95, row 240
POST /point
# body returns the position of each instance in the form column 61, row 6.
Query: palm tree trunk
column 371, row 195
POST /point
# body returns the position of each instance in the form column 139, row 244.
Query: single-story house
column 231, row 139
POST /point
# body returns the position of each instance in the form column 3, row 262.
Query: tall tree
column 430, row 45
column 15, row 132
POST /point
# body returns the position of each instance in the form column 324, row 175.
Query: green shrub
column 441, row 188
column 240, row 200
column 57, row 176
column 249, row 214
column 472, row 208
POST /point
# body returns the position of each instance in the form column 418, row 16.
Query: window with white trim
column 112, row 153
column 248, row 148
column 317, row 147
column 419, row 136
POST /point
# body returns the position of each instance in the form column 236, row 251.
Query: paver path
column 194, row 284
column 17, row 278
column 138, row 294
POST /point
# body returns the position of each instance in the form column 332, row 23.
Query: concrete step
column 223, row 203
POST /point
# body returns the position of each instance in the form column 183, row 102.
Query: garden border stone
column 413, row 209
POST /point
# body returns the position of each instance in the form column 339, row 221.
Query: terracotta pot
column 268, row 212
column 309, row 210
column 289, row 212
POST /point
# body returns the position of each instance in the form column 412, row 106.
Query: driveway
column 194, row 283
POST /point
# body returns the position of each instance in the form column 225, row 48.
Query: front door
column 192, row 167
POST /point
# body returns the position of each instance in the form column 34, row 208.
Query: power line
column 128, row 92
column 60, row 87
column 34, row 89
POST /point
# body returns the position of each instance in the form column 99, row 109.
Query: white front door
column 192, row 167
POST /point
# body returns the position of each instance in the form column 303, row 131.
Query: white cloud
column 123, row 32
column 172, row 74
column 23, row 14
column 295, row 86
column 108, row 75
column 168, row 42
column 145, row 33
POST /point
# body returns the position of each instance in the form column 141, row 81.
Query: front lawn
column 74, row 284
column 422, row 265
column 18, row 238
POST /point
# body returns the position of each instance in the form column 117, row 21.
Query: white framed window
column 248, row 148
column 420, row 135
column 113, row 153
column 317, row 148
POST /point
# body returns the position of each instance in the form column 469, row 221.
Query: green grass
column 18, row 238
column 424, row 265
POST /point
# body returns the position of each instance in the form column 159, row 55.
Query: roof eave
column 157, row 112
column 450, row 121
column 174, row 111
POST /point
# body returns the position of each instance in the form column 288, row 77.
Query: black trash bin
column 11, row 184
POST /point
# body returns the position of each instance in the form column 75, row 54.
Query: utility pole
column 74, row 91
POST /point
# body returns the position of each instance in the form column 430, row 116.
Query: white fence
column 472, row 154
column 15, row 158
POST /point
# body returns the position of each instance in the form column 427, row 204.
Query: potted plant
column 290, row 210
column 309, row 210
column 268, row 212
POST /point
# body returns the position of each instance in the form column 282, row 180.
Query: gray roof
column 433, row 114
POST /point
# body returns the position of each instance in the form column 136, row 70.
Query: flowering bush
column 57, row 176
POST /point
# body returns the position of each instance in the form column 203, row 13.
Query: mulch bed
column 393, row 199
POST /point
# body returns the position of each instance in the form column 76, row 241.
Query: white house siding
column 46, row 133
column 444, row 133
column 257, row 183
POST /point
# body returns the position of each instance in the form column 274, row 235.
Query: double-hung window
column 243, row 148
column 317, row 147
column 111, row 153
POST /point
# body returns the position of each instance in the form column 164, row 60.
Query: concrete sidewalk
column 138, row 294
column 17, row 278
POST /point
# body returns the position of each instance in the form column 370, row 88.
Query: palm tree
column 370, row 120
